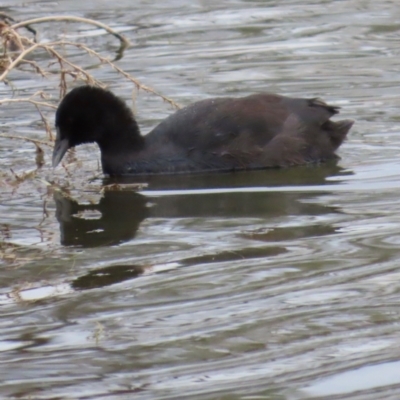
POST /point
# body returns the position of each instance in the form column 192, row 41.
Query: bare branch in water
column 70, row 18
column 28, row 100
column 35, row 141
column 19, row 50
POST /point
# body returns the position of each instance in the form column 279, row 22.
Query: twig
column 88, row 77
column 22, row 47
column 28, row 100
column 6, row 18
column 38, row 69
column 18, row 60
column 124, row 42
column 46, row 124
column 120, row 71
column 35, row 141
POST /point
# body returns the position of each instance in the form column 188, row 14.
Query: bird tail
column 338, row 130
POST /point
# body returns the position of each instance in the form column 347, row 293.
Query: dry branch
column 17, row 48
column 28, row 100
column 71, row 18
column 35, row 141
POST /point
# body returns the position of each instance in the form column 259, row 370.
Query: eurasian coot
column 219, row 134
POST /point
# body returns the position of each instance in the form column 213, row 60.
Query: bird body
column 219, row 134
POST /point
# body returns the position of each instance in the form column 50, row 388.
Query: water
column 274, row 285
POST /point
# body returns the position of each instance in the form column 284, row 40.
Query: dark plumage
column 221, row 134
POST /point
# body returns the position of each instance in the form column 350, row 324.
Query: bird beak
column 60, row 148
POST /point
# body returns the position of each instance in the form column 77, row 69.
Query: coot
column 214, row 135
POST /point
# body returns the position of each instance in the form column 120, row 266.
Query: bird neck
column 122, row 138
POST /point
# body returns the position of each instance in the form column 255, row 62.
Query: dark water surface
column 280, row 284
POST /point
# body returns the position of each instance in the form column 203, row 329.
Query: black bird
column 214, row 135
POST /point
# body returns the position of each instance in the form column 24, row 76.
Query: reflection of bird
column 221, row 134
column 118, row 216
column 107, row 276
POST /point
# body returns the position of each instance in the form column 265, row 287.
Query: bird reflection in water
column 120, row 213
